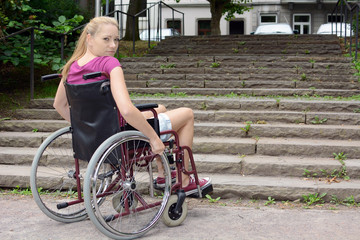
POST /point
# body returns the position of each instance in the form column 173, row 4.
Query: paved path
column 21, row 219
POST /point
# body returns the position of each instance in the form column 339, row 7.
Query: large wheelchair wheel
column 53, row 178
column 121, row 169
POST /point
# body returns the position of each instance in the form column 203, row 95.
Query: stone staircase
column 267, row 109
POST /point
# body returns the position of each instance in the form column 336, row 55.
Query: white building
column 303, row 15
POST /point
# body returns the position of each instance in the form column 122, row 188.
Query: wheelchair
column 102, row 168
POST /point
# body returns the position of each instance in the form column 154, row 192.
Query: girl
column 94, row 52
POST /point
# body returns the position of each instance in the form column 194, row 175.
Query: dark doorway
column 237, row 27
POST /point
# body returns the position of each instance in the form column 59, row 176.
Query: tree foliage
column 54, row 9
column 235, row 7
column 18, row 14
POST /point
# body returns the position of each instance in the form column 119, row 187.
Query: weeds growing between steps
column 309, row 201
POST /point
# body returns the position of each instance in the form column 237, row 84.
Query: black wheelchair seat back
column 94, row 116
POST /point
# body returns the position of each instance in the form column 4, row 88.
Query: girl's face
column 105, row 41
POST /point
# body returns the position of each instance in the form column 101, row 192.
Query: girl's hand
column 157, row 146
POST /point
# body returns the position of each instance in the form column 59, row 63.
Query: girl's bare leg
column 182, row 121
column 159, row 109
column 149, row 114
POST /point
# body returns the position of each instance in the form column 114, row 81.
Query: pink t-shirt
column 98, row 64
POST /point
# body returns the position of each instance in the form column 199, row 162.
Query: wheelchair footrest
column 207, row 190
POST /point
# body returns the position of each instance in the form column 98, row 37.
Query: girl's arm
column 129, row 112
column 60, row 103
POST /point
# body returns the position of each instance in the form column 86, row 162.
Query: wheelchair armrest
column 146, row 106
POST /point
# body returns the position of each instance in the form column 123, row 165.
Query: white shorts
column 164, row 125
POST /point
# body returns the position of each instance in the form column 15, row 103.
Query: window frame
column 302, row 24
column 170, row 20
column 198, row 29
column 341, row 16
column 268, row 15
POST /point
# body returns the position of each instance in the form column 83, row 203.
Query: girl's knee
column 188, row 112
column 161, row 108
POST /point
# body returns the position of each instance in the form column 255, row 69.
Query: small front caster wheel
column 170, row 217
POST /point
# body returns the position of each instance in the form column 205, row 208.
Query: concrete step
column 228, row 45
column 332, row 132
column 298, row 50
column 201, row 145
column 231, row 128
column 252, row 84
column 291, row 117
column 239, row 62
column 277, row 146
column 239, row 116
column 272, row 146
column 34, row 113
column 284, row 166
column 231, row 185
column 240, row 74
column 236, row 68
column 17, row 155
column 245, row 165
column 280, row 188
column 22, row 139
column 294, row 166
column 254, row 38
column 247, row 42
column 253, row 103
column 307, row 147
column 289, row 92
column 24, row 156
column 233, row 102
column 39, row 125
column 254, row 45
column 256, row 60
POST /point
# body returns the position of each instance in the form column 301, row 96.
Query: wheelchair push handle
column 85, row 76
column 50, row 77
column 94, row 75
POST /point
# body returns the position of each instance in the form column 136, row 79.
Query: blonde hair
column 91, row 28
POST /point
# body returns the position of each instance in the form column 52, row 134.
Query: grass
column 315, row 198
column 331, row 175
column 141, row 48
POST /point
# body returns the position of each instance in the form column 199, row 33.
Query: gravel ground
column 225, row 219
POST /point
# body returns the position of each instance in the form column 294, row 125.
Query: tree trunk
column 134, row 8
column 216, row 9
column 87, row 6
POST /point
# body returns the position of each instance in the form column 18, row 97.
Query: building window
column 204, row 27
column 268, row 18
column 236, row 27
column 301, row 23
column 334, row 18
column 176, row 24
